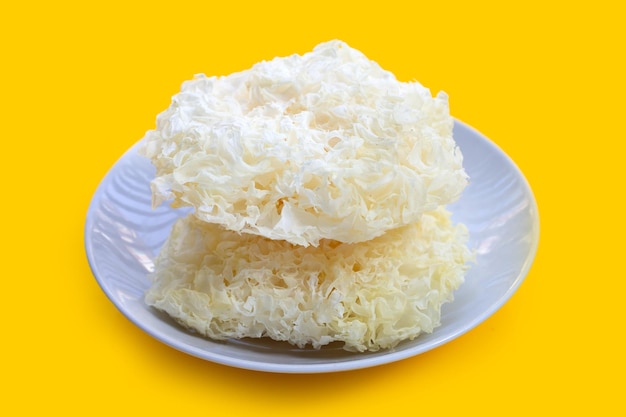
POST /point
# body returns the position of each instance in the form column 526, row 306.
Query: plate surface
column 123, row 234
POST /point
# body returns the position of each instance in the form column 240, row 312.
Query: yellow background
column 83, row 81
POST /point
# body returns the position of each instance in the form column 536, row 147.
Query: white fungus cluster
column 318, row 185
column 326, row 145
column 368, row 295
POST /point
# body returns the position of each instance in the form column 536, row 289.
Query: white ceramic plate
column 123, row 234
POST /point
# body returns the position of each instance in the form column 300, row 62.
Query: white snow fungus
column 318, row 185
column 369, row 295
column 326, row 145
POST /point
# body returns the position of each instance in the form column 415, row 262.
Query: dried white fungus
column 369, row 295
column 326, row 145
column 318, row 185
